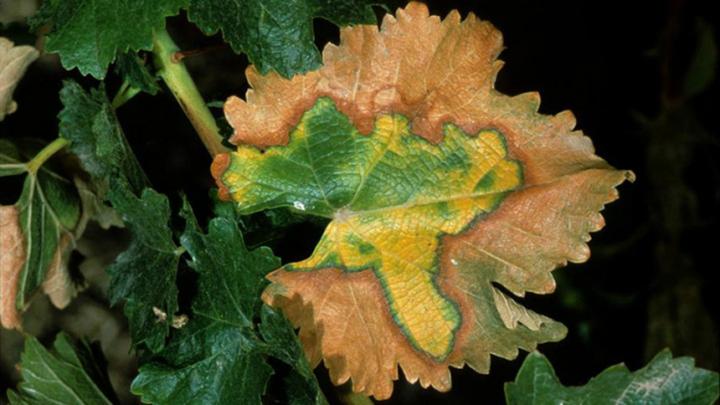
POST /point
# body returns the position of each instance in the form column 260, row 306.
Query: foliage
column 663, row 381
column 72, row 372
column 219, row 356
column 442, row 200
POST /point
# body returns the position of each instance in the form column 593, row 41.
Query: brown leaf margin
column 434, row 71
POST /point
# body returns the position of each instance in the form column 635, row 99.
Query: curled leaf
column 438, row 190
column 13, row 62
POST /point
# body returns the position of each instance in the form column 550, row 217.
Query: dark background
column 620, row 66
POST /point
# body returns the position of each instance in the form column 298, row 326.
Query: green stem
column 46, row 153
column 124, row 94
column 177, row 78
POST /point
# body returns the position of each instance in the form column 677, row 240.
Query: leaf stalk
column 179, row 81
column 46, row 153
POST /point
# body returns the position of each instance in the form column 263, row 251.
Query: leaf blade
column 662, row 380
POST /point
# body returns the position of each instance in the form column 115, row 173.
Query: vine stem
column 46, row 153
column 177, row 78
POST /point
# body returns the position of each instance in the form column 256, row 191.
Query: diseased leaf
column 663, row 381
column 144, row 275
column 217, row 357
column 277, row 34
column 89, row 122
column 14, row 60
column 436, row 186
column 72, row 372
column 90, row 34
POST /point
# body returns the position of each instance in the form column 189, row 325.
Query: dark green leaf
column 136, row 73
column 276, row 34
column 219, row 357
column 663, row 381
column 301, row 386
column 88, row 121
column 49, row 210
column 144, row 275
column 90, row 34
column 72, row 372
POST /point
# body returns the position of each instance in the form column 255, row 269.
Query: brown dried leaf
column 14, row 60
column 12, row 257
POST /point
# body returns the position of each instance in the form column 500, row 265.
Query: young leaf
column 436, row 186
column 88, row 121
column 276, row 35
column 135, row 72
column 216, row 357
column 72, row 372
column 90, row 34
column 144, row 275
column 14, row 60
column 663, row 381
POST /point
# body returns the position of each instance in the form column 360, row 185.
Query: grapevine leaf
column 144, row 275
column 437, row 188
column 89, row 122
column 216, row 357
column 14, row 60
column 282, row 343
column 663, row 381
column 135, row 72
column 72, row 372
column 277, row 34
column 90, row 34
column 38, row 233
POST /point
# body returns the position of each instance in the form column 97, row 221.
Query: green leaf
column 90, row 34
column 10, row 161
column 132, row 68
column 72, row 372
column 49, row 210
column 144, row 275
column 276, row 34
column 89, row 122
column 216, row 357
column 301, row 386
column 663, row 381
